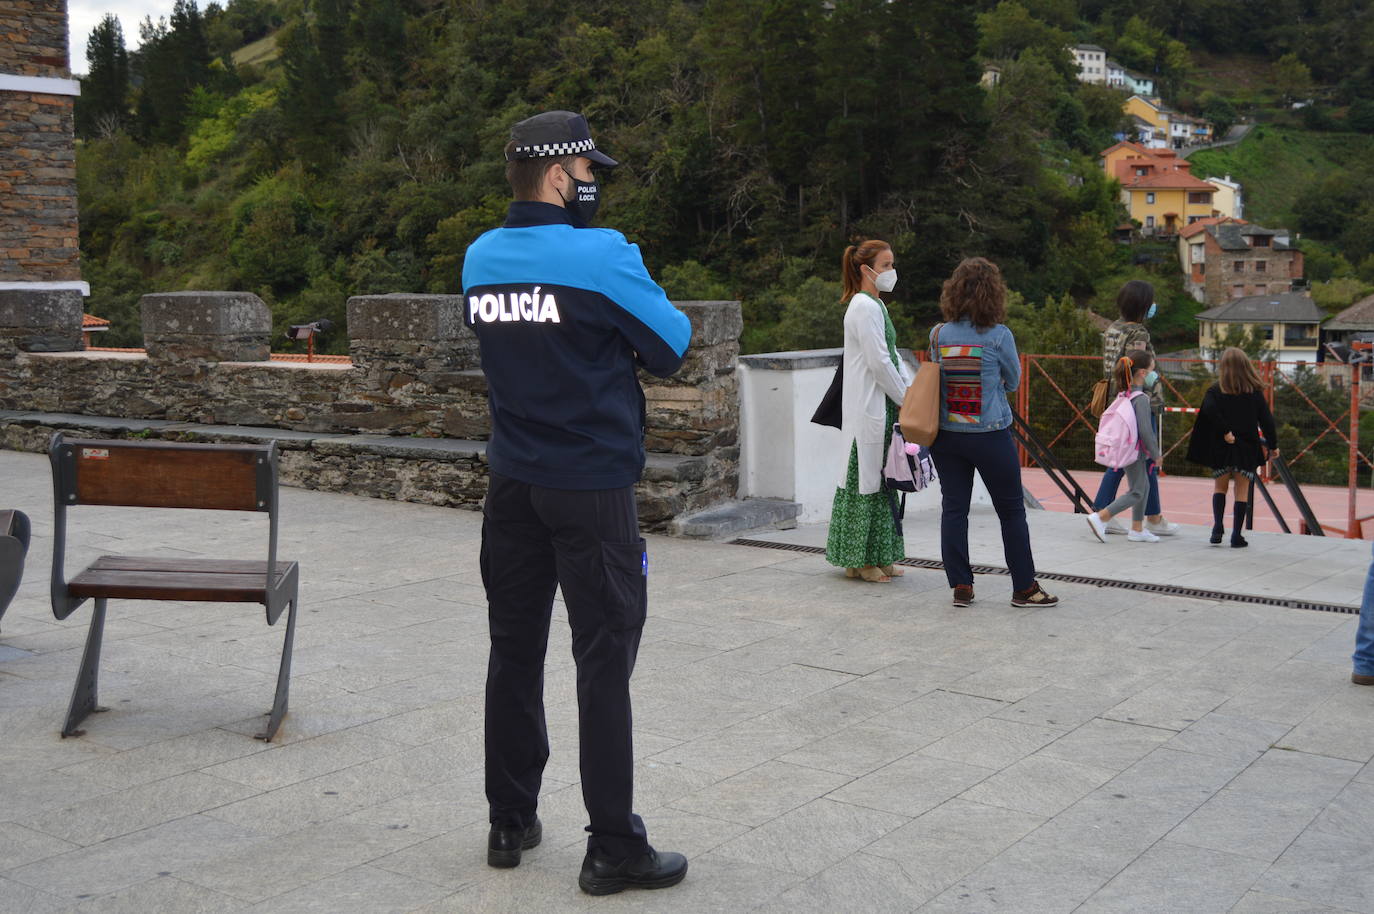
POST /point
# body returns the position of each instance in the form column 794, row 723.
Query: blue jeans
column 993, row 455
column 1111, row 480
column 1364, row 635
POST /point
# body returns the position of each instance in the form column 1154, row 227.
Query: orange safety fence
column 1316, row 409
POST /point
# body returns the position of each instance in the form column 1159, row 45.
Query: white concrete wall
column 783, row 454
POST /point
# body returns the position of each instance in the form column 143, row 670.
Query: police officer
column 565, row 314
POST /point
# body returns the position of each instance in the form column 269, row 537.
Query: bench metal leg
column 11, row 570
column 84, row 694
column 283, row 676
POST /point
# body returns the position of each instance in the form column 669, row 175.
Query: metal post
column 1023, row 404
column 1267, row 369
column 1352, row 531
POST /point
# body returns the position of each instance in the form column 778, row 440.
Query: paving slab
column 812, row 743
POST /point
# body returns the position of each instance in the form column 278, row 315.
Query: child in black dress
column 1227, row 438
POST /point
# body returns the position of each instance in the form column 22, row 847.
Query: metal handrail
column 1026, row 437
column 1309, row 519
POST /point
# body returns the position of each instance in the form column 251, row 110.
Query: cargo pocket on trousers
column 625, row 568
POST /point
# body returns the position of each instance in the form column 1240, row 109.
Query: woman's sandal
column 892, row 571
column 871, row 573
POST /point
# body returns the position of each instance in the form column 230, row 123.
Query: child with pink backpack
column 1126, row 439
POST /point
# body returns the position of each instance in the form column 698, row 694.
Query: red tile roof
column 1128, row 144
column 91, row 322
column 1170, row 180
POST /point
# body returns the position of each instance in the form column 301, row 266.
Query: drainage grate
column 1171, row 590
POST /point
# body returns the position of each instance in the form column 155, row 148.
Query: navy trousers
column 992, row 455
column 533, row 540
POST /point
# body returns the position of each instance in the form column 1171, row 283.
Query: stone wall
column 33, row 37
column 38, row 213
column 407, row 419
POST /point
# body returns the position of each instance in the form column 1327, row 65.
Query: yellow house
column 1125, row 151
column 1288, row 324
column 1165, row 203
column 1148, row 110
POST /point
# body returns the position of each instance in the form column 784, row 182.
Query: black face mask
column 585, row 200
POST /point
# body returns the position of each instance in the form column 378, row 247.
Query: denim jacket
column 978, row 368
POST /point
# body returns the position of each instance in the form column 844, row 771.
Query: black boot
column 651, row 870
column 1218, row 517
column 506, row 841
column 1238, row 524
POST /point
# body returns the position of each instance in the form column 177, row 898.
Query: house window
column 1238, row 266
column 1149, row 198
column 1202, row 269
column 1259, row 266
column 1237, row 291
column 1261, row 241
column 1199, row 197
column 1268, row 331
column 1150, row 220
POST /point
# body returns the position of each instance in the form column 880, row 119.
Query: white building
column 1138, row 83
column 1116, row 74
column 1228, row 200
column 1092, row 63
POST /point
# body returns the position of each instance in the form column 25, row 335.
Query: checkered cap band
column 554, row 149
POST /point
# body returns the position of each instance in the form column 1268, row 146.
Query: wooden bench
column 14, row 544
column 165, row 474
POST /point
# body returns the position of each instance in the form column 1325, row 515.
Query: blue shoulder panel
column 598, row 260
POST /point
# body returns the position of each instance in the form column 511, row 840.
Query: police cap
column 555, row 133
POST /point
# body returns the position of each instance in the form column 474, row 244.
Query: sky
column 83, row 15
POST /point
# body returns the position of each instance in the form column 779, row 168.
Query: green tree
column 1217, row 109
column 1055, row 327
column 171, row 62
column 1361, row 115
column 103, row 105
column 1292, row 78
column 1009, row 29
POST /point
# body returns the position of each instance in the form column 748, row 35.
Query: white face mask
column 886, row 281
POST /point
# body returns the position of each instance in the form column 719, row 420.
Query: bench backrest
column 164, row 474
column 157, row 474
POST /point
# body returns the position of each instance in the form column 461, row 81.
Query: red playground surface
column 1188, row 500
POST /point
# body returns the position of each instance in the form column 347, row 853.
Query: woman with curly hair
column 978, row 367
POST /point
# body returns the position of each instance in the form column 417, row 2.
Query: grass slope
column 1276, row 165
column 258, row 52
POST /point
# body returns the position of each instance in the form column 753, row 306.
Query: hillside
column 1278, row 164
column 309, row 150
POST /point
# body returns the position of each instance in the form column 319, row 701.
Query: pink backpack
column 1117, row 442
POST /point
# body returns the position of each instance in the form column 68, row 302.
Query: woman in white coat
column 863, row 533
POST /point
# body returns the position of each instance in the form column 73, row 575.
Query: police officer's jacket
column 564, row 315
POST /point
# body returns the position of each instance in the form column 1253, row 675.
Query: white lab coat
column 870, row 379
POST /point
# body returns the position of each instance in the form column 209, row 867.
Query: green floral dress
column 862, row 531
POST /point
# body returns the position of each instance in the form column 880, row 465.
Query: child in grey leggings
column 1136, row 373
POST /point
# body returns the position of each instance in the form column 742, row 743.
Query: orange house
column 1158, row 188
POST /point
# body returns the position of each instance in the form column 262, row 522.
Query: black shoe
column 505, row 842
column 1218, row 533
column 651, row 870
column 1239, row 542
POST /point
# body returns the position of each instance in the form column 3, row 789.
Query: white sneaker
column 1165, row 529
column 1114, row 526
column 1142, row 536
column 1098, row 527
